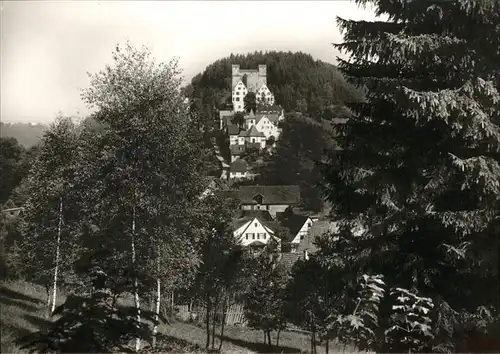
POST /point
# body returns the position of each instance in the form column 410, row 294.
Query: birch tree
column 149, row 164
column 49, row 222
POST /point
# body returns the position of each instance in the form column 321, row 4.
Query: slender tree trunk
column 269, row 338
column 278, row 338
column 214, row 315
column 224, row 310
column 207, row 321
column 327, row 346
column 158, row 301
column 136, row 285
column 58, row 254
column 265, row 339
column 47, row 289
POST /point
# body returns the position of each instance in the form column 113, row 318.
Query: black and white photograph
column 250, row 177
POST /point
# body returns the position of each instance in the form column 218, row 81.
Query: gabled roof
column 252, row 132
column 239, row 81
column 318, row 228
column 237, row 149
column 233, row 129
column 262, row 215
column 293, row 223
column 270, row 194
column 239, row 222
column 250, row 115
column 239, row 165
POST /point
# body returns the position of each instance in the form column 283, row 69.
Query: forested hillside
column 297, row 81
column 26, row 134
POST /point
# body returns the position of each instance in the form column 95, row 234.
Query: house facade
column 252, row 136
column 254, row 232
column 274, row 199
column 264, row 95
column 238, row 169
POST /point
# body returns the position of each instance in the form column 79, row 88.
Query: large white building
column 245, row 81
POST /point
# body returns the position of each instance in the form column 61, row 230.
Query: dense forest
column 298, row 82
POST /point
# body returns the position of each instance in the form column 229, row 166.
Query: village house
column 238, row 169
column 236, row 151
column 254, row 229
column 233, row 131
column 298, row 227
column 252, row 136
column 274, row 199
column 264, row 95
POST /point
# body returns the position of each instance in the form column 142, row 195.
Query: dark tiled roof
column 253, row 132
column 239, row 222
column 289, row 259
column 237, row 149
column 274, row 118
column 230, row 193
column 271, row 194
column 262, row 215
column 318, row 228
column 233, row 129
column 293, row 222
column 239, row 165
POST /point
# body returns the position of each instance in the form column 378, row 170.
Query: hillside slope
column 27, row 135
column 297, row 81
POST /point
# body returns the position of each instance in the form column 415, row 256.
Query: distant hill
column 26, row 134
column 297, row 81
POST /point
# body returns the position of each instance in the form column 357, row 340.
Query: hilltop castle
column 245, row 81
column 259, row 129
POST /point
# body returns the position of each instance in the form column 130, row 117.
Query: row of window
column 251, row 235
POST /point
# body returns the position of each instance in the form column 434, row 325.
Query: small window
column 237, row 99
column 264, row 236
column 255, row 224
column 246, row 236
column 253, row 236
column 267, row 207
column 301, row 237
column 309, row 224
column 258, row 236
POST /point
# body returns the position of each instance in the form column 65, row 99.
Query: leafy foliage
column 418, row 172
column 92, row 322
column 11, row 154
column 361, row 326
column 265, row 299
column 410, row 326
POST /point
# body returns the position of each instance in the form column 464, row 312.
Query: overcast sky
column 48, row 46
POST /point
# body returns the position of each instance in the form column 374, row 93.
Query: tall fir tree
column 419, row 170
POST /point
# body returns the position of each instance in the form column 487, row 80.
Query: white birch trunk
column 157, row 310
column 58, row 254
column 136, row 290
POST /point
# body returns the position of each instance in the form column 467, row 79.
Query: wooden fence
column 234, row 315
